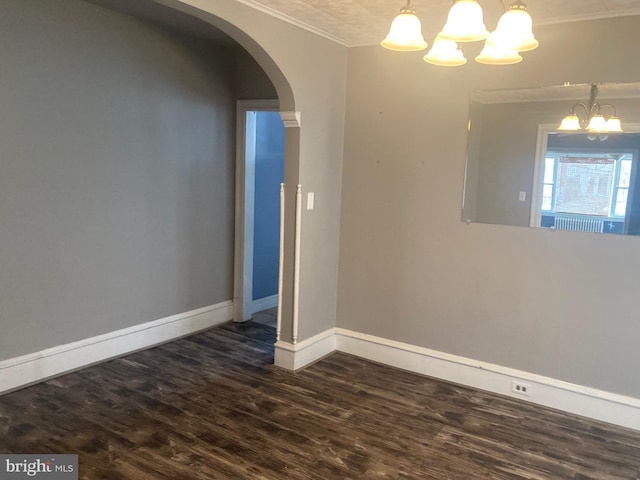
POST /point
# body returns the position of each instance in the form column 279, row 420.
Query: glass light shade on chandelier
column 445, row 53
column 514, row 30
column 593, row 120
column 492, row 55
column 405, row 34
column 597, row 124
column 614, row 125
column 570, row 123
column 465, row 22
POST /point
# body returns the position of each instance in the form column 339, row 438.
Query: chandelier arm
column 615, row 114
column 584, row 107
column 593, row 119
column 587, row 113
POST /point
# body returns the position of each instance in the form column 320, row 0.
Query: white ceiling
column 366, row 22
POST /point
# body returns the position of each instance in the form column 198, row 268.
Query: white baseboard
column 589, row 402
column 569, row 397
column 264, row 303
column 295, row 357
column 28, row 369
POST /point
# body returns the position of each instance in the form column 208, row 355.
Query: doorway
column 260, row 171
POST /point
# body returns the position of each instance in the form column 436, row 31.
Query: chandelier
column 465, row 23
column 592, row 120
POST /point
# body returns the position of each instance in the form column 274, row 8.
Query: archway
column 291, row 119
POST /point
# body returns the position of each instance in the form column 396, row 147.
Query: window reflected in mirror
column 522, row 171
column 585, row 191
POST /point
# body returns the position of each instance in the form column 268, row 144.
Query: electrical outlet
column 520, row 388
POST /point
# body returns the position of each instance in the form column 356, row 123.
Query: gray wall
column 556, row 304
column 507, row 158
column 116, row 173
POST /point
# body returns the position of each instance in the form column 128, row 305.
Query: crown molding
column 589, row 16
column 293, row 21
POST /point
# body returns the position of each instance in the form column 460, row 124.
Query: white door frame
column 244, row 205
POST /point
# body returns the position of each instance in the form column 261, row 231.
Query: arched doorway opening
column 157, row 9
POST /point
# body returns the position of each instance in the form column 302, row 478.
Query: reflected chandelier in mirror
column 523, row 170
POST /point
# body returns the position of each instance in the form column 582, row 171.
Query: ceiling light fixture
column 593, row 120
column 492, row 55
column 514, row 30
column 445, row 53
column 405, row 34
column 465, row 23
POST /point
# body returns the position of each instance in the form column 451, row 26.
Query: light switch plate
column 311, row 197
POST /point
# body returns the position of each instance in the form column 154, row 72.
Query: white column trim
column 291, row 119
column 296, row 356
column 296, row 265
column 280, row 264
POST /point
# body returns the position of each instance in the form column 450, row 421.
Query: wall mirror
column 523, row 170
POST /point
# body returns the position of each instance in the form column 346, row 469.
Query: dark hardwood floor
column 211, row 406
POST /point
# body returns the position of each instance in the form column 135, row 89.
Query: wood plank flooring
column 211, row 406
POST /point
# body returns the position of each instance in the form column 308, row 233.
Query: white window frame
column 617, row 187
column 615, row 181
column 541, row 154
column 553, row 184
